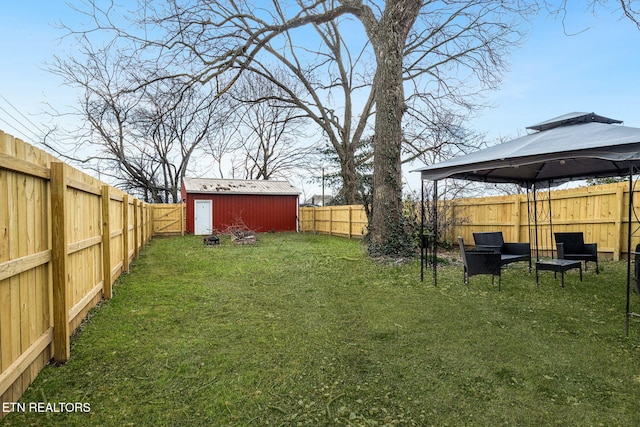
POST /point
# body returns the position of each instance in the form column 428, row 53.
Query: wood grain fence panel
column 24, row 257
column 600, row 212
column 597, row 211
column 117, row 255
column 339, row 221
column 106, row 241
column 359, row 222
column 136, row 229
column 306, row 219
column 323, row 220
column 51, row 256
column 168, row 219
column 84, row 223
column 348, row 221
column 141, row 225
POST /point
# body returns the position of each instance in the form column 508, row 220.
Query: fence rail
column 65, row 237
column 600, row 212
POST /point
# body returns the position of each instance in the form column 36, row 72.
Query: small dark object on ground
column 211, row 240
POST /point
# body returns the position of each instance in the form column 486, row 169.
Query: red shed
column 215, row 204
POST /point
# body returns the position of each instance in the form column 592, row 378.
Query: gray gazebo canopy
column 572, row 146
column 569, row 147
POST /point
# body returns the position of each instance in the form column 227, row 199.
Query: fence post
column 106, row 243
column 350, row 218
column 125, row 232
column 59, row 263
column 330, row 220
column 146, row 223
column 617, row 250
column 143, row 224
column 136, row 224
column 182, row 215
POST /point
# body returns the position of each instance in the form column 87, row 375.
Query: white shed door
column 203, row 217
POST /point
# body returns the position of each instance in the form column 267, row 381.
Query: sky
column 595, row 69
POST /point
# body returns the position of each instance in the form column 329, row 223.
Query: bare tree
column 629, row 8
column 271, row 134
column 328, row 80
column 176, row 121
column 143, row 138
column 446, row 47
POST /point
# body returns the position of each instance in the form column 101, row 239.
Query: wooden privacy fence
column 348, row 221
column 600, row 212
column 65, row 237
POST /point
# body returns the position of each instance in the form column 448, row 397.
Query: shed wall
column 260, row 213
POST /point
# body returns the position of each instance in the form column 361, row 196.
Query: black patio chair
column 509, row 252
column 571, row 246
column 480, row 261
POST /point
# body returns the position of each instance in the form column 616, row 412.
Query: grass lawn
column 305, row 330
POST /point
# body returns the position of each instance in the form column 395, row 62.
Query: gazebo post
column 535, row 221
column 435, row 233
column 421, row 229
column 551, row 239
column 429, row 244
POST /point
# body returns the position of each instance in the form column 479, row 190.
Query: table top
column 559, row 262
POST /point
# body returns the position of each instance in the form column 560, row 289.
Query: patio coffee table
column 558, row 265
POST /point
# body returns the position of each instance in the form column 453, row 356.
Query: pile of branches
column 240, row 234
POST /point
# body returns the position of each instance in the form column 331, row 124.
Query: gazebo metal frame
column 569, row 147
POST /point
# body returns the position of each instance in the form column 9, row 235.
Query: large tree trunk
column 349, row 177
column 387, row 234
column 386, row 220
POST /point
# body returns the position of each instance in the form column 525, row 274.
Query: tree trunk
column 387, row 234
column 349, row 177
column 386, row 221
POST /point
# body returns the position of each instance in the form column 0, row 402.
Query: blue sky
column 28, row 40
column 596, row 70
column 551, row 74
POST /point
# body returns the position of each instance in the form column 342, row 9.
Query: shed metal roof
column 239, row 186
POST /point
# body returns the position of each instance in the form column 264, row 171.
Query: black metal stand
column 630, row 314
column 427, row 252
column 429, row 235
